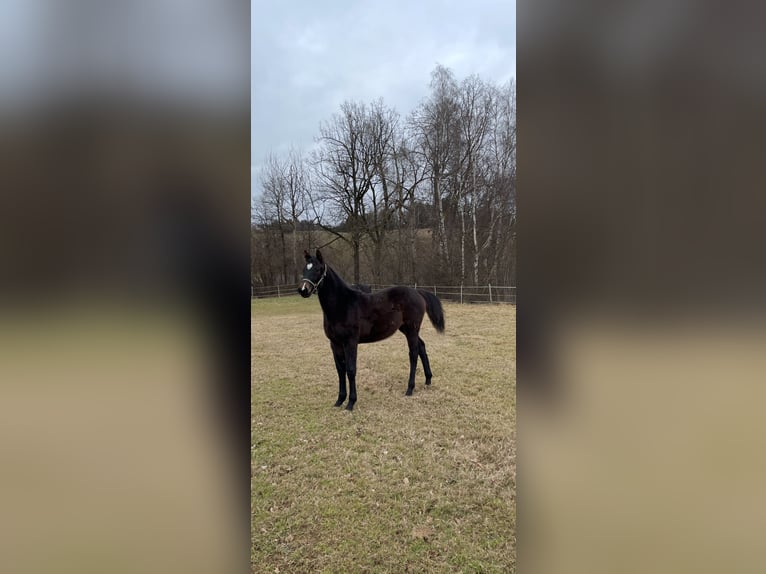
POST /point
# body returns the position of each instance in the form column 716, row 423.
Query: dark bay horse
column 352, row 317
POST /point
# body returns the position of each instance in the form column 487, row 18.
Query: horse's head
column 313, row 274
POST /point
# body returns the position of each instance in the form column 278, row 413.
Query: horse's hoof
column 339, row 403
column 428, row 381
column 408, row 393
column 350, row 407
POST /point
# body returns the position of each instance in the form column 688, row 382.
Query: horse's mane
column 340, row 279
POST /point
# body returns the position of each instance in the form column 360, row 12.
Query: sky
column 193, row 51
column 308, row 57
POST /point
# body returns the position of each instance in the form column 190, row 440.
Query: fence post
column 461, row 293
column 278, row 294
column 490, row 292
column 434, row 289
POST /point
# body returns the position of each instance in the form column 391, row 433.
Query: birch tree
column 435, row 123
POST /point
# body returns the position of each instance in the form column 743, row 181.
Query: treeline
column 428, row 198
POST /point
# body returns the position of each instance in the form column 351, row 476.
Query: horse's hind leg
column 424, row 360
column 412, row 342
column 340, row 366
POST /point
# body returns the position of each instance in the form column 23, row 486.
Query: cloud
column 308, row 59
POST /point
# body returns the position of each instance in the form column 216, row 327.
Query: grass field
column 401, row 484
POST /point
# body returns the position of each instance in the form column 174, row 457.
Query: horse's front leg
column 340, row 367
column 412, row 343
column 350, row 353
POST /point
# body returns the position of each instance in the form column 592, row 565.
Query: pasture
column 401, row 484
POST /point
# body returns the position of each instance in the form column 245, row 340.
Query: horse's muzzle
column 305, row 289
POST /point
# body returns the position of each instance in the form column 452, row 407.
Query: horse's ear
column 319, row 256
column 306, row 255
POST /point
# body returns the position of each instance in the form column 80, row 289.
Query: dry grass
column 403, row 484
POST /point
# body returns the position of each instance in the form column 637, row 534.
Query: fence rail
column 274, row 291
column 458, row 293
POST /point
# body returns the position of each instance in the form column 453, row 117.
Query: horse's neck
column 333, row 293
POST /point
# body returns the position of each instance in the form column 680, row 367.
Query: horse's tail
column 434, row 309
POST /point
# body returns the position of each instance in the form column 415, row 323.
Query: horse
column 362, row 287
column 352, row 317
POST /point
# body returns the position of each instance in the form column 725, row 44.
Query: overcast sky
column 308, row 57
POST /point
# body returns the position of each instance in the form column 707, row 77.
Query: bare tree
column 380, row 136
column 266, row 232
column 345, row 167
column 476, row 107
column 377, row 182
column 274, row 189
column 435, row 123
column 501, row 204
column 296, row 184
column 409, row 172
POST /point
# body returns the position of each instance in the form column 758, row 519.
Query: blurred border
column 641, row 236
column 125, row 193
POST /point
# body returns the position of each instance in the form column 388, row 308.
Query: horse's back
column 405, row 299
column 395, row 292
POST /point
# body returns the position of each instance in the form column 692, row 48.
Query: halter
column 318, row 283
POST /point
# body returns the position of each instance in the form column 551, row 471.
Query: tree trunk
column 412, row 263
column 284, row 252
column 475, row 238
column 462, row 242
column 475, row 251
column 441, row 232
column 400, row 262
column 443, row 244
column 378, row 263
column 355, row 244
column 295, row 251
